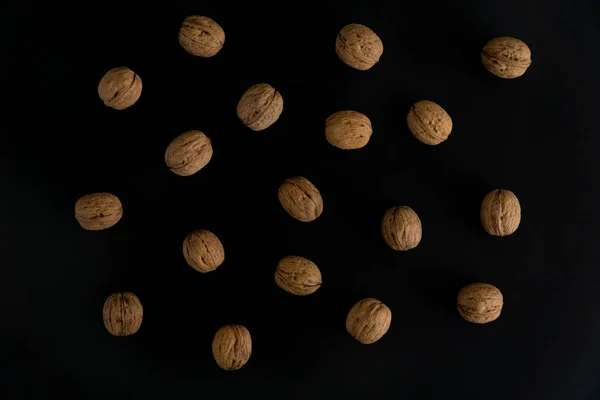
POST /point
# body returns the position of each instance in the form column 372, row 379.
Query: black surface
column 536, row 135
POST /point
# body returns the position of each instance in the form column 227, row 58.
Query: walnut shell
column 122, row 314
column 358, row 46
column 98, row 211
column 203, row 251
column 479, row 303
column 298, row 275
column 500, row 212
column 188, row 153
column 120, row 88
column 401, row 228
column 348, row 130
column 429, row 122
column 201, row 36
column 260, row 107
column 232, row 347
column 368, row 320
column 301, row 199
column 506, row 57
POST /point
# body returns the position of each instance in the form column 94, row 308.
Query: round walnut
column 120, row 88
column 429, row 122
column 506, row 57
column 358, row 46
column 479, row 303
column 298, row 276
column 203, row 251
column 260, row 107
column 348, row 130
column 201, row 36
column 500, row 212
column 122, row 314
column 98, row 211
column 232, row 347
column 300, row 199
column 401, row 228
column 368, row 320
column 189, row 153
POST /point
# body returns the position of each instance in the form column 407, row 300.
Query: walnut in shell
column 98, row 211
column 189, row 153
column 429, row 122
column 298, row 275
column 122, row 314
column 358, row 46
column 506, row 57
column 232, row 347
column 479, row 303
column 203, row 251
column 201, row 36
column 500, row 212
column 120, row 88
column 368, row 320
column 300, row 199
column 260, row 107
column 348, row 130
column 401, row 228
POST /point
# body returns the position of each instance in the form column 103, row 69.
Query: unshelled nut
column 301, row 199
column 506, row 57
column 298, row 275
column 120, row 88
column 368, row 320
column 189, row 153
column 203, row 251
column 480, row 303
column 348, row 130
column 123, row 314
column 98, row 211
column 260, row 107
column 358, row 46
column 429, row 122
column 401, row 228
column 232, row 347
column 500, row 212
column 201, row 36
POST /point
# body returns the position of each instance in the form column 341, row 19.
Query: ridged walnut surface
column 98, row 211
column 300, row 199
column 260, row 106
column 203, row 251
column 429, row 122
column 506, row 57
column 401, row 228
column 201, row 36
column 298, row 275
column 123, row 314
column 368, row 320
column 120, row 88
column 348, row 130
column 500, row 212
column 189, row 153
column 232, row 347
column 358, row 46
column 479, row 303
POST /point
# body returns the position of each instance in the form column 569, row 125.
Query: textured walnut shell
column 368, row 320
column 189, row 153
column 500, row 212
column 358, row 46
column 479, row 303
column 203, row 251
column 298, row 276
column 429, row 122
column 348, row 130
column 260, row 107
column 301, row 199
column 120, row 88
column 401, row 228
column 98, row 211
column 506, row 57
column 201, row 36
column 122, row 314
column 232, row 347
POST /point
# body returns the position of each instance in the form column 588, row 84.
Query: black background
column 536, row 135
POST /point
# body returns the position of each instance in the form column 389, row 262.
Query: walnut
column 479, row 303
column 189, row 153
column 348, row 130
column 368, row 320
column 232, row 347
column 358, row 46
column 122, row 314
column 500, row 212
column 260, row 107
column 301, row 199
column 401, row 228
column 120, row 88
column 298, row 276
column 98, row 211
column 203, row 251
column 506, row 57
column 201, row 36
column 429, row 122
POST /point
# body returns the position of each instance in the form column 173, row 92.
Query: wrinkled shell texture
column 120, row 88
column 358, row 46
column 429, row 122
column 123, row 314
column 479, row 303
column 203, row 251
column 201, row 36
column 260, row 107
column 368, row 320
column 298, row 276
column 98, row 211
column 348, row 130
column 189, row 153
column 232, row 347
column 301, row 199
column 506, row 57
column 401, row 228
column 500, row 212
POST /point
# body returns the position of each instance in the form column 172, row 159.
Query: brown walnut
column 358, row 46
column 98, row 211
column 506, row 57
column 500, row 212
column 368, row 320
column 429, row 122
column 401, row 228
column 479, row 303
column 260, row 107
column 300, row 199
column 201, row 36
column 120, row 88
column 298, row 276
column 348, row 130
column 189, row 153
column 122, row 314
column 203, row 251
column 232, row 347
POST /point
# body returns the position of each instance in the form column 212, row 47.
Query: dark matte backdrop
column 536, row 135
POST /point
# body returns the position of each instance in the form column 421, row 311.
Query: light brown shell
column 120, row 88
column 368, row 320
column 260, row 107
column 201, row 36
column 506, row 57
column 203, row 251
column 232, row 347
column 429, row 122
column 122, row 314
column 98, row 211
column 298, row 275
column 300, row 199
column 401, row 228
column 358, row 46
column 500, row 212
column 189, row 153
column 348, row 130
column 479, row 303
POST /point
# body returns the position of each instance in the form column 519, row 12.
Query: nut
column 260, row 107
column 348, row 130
column 203, row 251
column 298, row 276
column 300, row 199
column 120, row 88
column 358, row 46
column 232, row 347
column 368, row 320
column 122, row 314
column 201, row 36
column 479, row 303
column 500, row 212
column 98, row 211
column 429, row 122
column 189, row 153
column 401, row 228
column 506, row 57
